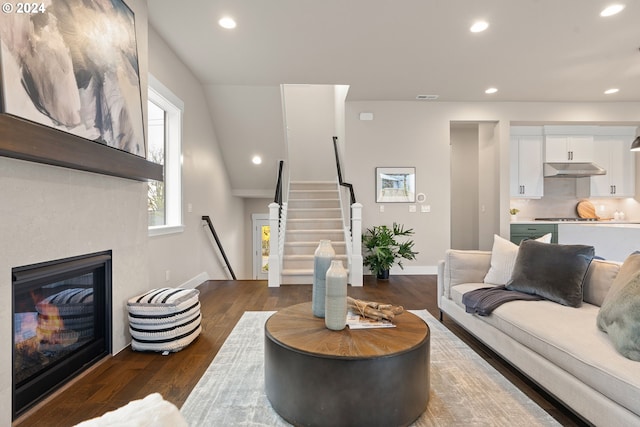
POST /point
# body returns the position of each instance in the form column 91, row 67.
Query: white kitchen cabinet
column 527, row 180
column 612, row 153
column 572, row 149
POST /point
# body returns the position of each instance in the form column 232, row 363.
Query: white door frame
column 257, row 221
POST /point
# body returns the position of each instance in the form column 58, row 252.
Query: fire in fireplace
column 61, row 323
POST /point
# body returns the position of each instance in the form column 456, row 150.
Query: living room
column 50, row 212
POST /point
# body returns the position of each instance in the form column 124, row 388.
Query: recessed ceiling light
column 479, row 26
column 227, row 22
column 491, row 90
column 612, row 10
column 256, row 160
column 610, row 91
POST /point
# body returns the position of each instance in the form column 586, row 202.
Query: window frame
column 173, row 106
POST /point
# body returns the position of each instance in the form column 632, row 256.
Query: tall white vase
column 336, row 297
column 322, row 258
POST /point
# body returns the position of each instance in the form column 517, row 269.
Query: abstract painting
column 73, row 65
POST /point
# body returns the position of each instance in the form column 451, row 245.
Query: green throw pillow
column 619, row 315
column 554, row 272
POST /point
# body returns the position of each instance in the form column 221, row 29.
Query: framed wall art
column 71, row 69
column 396, row 185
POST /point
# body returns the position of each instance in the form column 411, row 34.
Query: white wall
column 310, row 119
column 49, row 213
column 464, row 186
column 414, row 133
column 205, row 186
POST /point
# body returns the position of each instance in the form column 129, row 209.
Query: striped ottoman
column 165, row 319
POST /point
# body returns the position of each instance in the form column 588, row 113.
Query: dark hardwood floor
column 132, row 375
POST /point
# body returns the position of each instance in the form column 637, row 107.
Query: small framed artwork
column 396, row 185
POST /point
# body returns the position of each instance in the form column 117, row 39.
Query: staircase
column 313, row 214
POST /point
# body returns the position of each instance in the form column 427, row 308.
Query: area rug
column 465, row 389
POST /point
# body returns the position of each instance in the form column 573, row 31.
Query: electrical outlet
column 189, row 207
column 167, row 275
column 425, row 208
column 412, row 208
column 381, row 208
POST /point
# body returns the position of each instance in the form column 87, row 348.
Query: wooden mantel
column 25, row 140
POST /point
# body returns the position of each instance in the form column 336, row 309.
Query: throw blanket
column 484, row 300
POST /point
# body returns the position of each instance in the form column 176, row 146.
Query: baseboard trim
column 412, row 270
column 196, row 281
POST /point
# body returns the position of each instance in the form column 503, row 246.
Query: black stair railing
column 207, row 219
column 340, row 181
column 278, row 197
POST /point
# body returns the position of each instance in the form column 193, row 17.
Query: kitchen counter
column 611, row 240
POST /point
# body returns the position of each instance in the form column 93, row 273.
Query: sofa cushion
column 619, row 315
column 503, row 258
column 569, row 338
column 597, row 282
column 554, row 272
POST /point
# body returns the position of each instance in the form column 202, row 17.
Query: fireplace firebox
column 61, row 323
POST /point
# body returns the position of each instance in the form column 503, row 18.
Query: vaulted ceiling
column 533, row 50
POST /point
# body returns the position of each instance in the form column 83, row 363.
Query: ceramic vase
column 322, row 258
column 336, row 297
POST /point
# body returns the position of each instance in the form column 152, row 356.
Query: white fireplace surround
column 50, row 213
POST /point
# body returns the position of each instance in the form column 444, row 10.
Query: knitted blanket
column 484, row 300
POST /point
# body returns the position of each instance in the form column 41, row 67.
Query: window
column 164, row 113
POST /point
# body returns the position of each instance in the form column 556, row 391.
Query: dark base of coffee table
column 308, row 389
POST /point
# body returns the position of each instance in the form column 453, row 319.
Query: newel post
column 274, row 246
column 356, row 270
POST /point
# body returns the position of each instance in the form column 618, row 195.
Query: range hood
column 572, row 170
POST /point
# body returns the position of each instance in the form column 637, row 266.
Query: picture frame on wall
column 396, row 185
column 70, row 87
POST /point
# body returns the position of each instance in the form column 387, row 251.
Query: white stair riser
column 313, row 204
column 312, row 185
column 313, row 236
column 313, row 194
column 333, row 213
column 316, row 224
column 340, row 249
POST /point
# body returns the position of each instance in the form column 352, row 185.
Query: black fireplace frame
column 33, row 390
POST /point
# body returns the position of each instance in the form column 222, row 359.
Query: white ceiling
column 534, row 50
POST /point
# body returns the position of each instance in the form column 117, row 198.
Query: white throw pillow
column 503, row 258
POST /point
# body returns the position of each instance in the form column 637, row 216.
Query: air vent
column 427, row 97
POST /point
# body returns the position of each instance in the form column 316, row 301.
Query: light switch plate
column 412, row 208
column 381, row 208
column 425, row 208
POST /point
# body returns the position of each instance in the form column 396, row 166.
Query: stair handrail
column 207, row 219
column 278, row 196
column 352, row 194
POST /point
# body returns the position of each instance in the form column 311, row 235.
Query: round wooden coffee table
column 367, row 377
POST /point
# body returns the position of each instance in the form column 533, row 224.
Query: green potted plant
column 382, row 250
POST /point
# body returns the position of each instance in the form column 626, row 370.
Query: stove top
column 565, row 219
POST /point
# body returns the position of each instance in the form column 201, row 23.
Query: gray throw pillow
column 554, row 272
column 619, row 315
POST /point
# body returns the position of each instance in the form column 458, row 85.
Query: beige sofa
column 558, row 347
